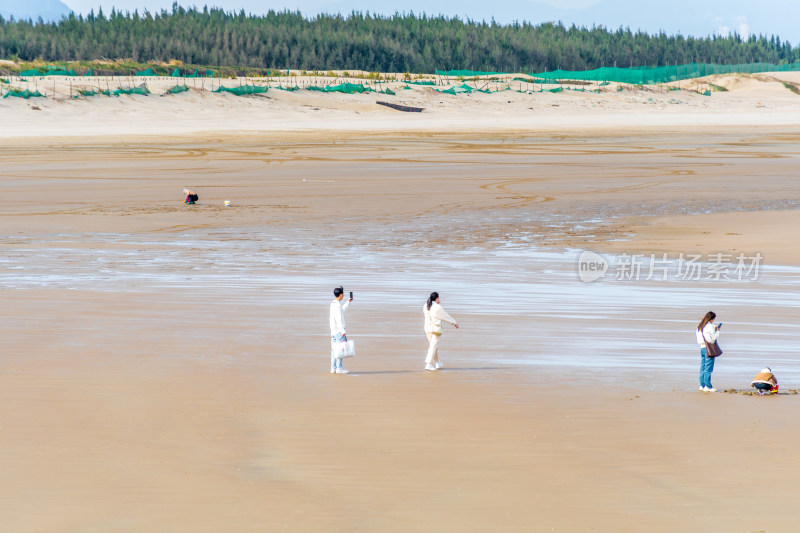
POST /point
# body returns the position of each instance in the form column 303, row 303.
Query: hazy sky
column 688, row 17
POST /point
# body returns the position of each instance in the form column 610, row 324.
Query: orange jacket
column 765, row 377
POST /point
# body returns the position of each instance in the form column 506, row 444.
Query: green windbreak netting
column 3, row 80
column 195, row 74
column 282, row 88
column 241, row 91
column 209, row 73
column 23, row 94
column 458, row 89
column 467, row 73
column 55, row 71
column 146, row 72
column 176, row 73
column 426, row 82
column 178, row 89
column 90, row 92
column 141, row 89
column 535, row 80
column 347, row 88
column 51, row 71
column 651, row 75
column 90, row 73
column 387, row 91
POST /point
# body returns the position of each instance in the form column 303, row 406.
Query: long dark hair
column 711, row 315
column 433, row 297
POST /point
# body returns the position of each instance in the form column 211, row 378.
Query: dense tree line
column 399, row 43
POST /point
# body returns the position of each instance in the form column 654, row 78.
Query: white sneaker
column 430, row 367
column 700, row 389
column 333, row 371
column 709, row 389
column 342, row 371
column 439, row 365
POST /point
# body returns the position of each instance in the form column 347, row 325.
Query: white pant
column 433, row 348
column 335, row 361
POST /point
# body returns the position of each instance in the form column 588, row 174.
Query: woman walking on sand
column 707, row 334
column 434, row 314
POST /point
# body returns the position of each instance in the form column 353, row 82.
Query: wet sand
column 165, row 366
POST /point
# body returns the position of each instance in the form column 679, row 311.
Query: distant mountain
column 49, row 10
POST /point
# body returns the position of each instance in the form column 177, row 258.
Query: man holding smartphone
column 338, row 332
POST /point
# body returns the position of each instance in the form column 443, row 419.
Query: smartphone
column 351, row 295
column 718, row 325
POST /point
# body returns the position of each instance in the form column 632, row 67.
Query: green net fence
column 90, row 92
column 23, row 94
column 241, row 91
column 51, row 71
column 635, row 75
column 652, row 75
column 141, row 89
column 465, row 89
column 178, row 89
column 535, row 80
column 425, row 82
column 288, row 88
column 59, row 72
column 467, row 73
column 146, row 72
column 347, row 88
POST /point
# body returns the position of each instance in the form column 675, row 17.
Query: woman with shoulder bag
column 434, row 315
column 707, row 335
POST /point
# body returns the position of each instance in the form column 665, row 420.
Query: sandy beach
column 165, row 367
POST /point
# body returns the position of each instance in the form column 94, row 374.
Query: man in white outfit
column 338, row 332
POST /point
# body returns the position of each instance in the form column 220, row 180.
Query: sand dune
column 757, row 100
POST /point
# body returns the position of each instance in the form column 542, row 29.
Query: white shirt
column 710, row 334
column 337, row 317
column 434, row 317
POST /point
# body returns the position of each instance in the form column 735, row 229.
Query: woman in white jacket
column 707, row 332
column 434, row 315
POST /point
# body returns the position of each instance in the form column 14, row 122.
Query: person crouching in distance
column 338, row 332
column 434, row 315
column 765, row 381
column 191, row 196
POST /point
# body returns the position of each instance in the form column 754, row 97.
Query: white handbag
column 345, row 349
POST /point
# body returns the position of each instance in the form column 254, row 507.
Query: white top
column 710, row 333
column 434, row 317
column 337, row 316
